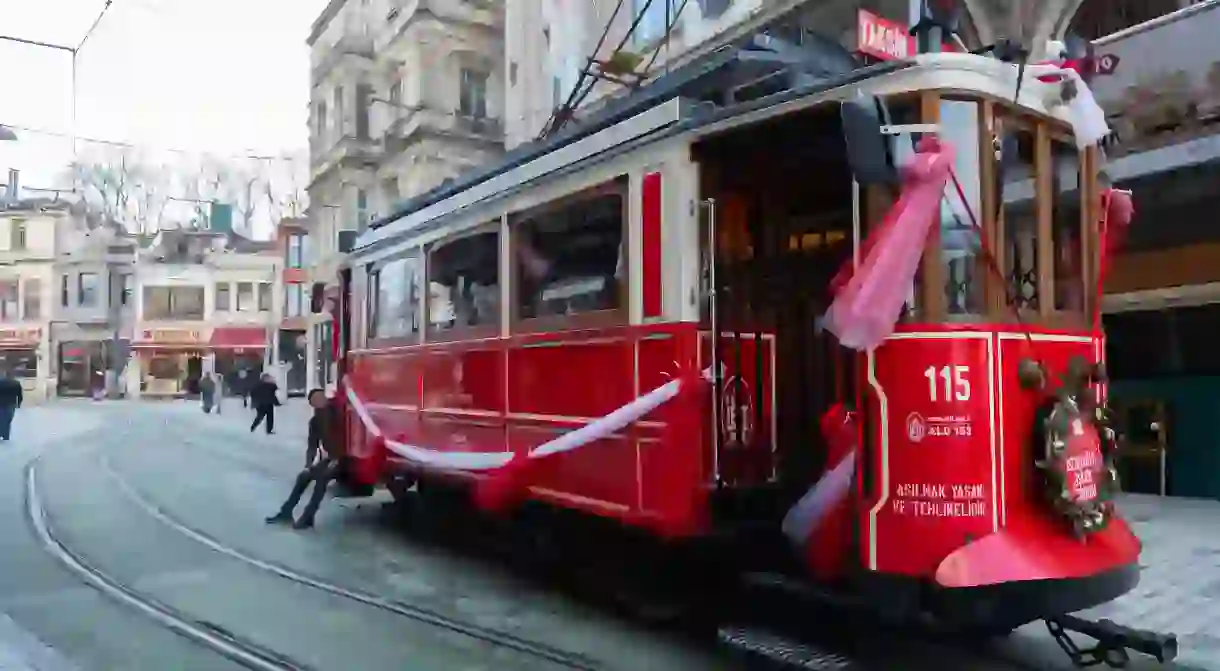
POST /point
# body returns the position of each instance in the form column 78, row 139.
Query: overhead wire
column 583, row 73
column 635, row 23
column 670, row 22
column 151, row 146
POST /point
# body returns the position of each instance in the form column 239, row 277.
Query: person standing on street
column 220, row 391
column 323, row 427
column 11, row 396
column 243, row 387
column 207, row 393
column 264, row 397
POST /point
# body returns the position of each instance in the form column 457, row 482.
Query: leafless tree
column 145, row 195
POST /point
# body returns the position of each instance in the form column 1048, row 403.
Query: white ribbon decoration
column 598, row 429
column 808, row 514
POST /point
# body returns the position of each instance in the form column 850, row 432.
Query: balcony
column 349, row 150
column 487, row 15
column 325, row 60
column 410, row 123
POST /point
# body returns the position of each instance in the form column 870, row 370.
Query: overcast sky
column 221, row 76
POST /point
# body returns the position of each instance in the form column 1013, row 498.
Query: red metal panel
column 651, row 207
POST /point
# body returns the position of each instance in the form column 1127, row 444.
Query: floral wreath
column 1056, row 424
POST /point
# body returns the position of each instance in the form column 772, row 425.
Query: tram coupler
column 1114, row 641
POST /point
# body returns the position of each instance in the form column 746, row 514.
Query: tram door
column 767, row 265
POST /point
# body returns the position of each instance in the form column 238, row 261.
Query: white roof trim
column 960, row 72
column 1189, row 295
column 662, row 115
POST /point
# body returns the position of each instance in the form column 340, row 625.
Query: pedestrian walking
column 207, row 393
column 243, row 387
column 323, row 430
column 220, row 391
column 264, row 396
column 11, row 397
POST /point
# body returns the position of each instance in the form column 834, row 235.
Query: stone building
column 404, row 96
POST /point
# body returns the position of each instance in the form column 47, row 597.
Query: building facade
column 205, row 304
column 27, row 285
column 92, row 309
column 404, row 96
column 1160, row 87
column 296, row 319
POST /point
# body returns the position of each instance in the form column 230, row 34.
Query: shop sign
column 31, row 336
column 1161, row 85
column 172, row 336
column 885, row 39
column 882, row 38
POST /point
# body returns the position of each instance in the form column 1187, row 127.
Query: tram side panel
column 934, row 460
column 462, row 395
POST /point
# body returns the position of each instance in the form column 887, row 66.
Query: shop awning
column 238, row 337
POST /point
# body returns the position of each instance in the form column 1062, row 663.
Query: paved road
column 169, row 503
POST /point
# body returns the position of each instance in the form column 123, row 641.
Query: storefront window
column 20, row 363
column 164, row 368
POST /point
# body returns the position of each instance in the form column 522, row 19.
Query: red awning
column 238, row 337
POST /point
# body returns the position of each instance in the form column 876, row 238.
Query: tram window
column 464, row 282
column 1019, row 217
column 395, row 285
column 1066, row 228
column 570, row 260
column 959, row 233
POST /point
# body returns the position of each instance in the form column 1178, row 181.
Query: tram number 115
column 952, row 378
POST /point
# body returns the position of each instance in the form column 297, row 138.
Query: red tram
column 628, row 322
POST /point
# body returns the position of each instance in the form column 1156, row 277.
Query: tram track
column 755, row 646
column 418, row 614
column 245, row 653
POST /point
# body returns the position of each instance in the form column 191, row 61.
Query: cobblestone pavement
column 1179, row 588
column 98, row 461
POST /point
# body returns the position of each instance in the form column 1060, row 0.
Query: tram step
column 782, row 651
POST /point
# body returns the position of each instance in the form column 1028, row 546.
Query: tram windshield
column 1023, row 239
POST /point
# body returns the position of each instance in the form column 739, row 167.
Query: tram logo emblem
column 917, row 428
column 736, row 390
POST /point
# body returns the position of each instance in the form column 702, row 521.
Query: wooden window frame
column 620, row 315
column 995, row 111
column 375, row 341
column 457, row 333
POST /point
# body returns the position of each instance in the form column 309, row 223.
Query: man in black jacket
column 264, row 397
column 323, row 427
column 11, row 396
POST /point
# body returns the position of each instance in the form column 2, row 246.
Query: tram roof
column 657, row 92
column 664, row 114
column 693, row 115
